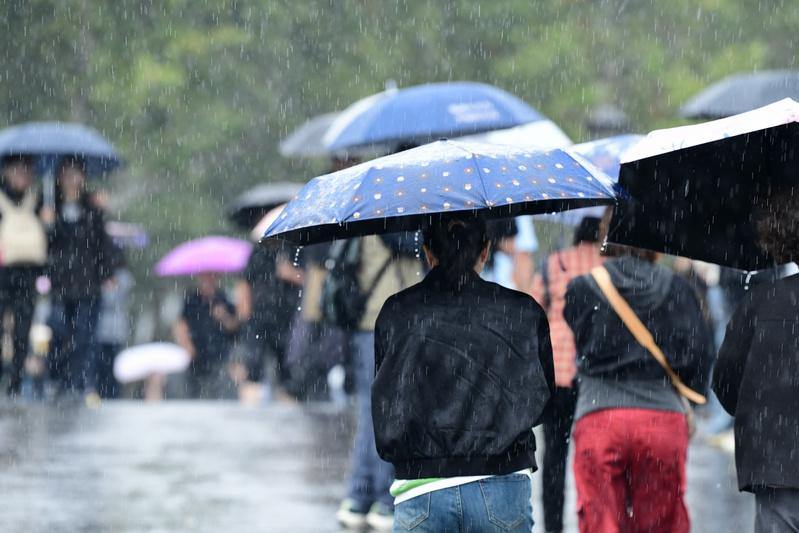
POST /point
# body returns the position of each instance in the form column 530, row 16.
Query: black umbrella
column 250, row 206
column 741, row 93
column 694, row 191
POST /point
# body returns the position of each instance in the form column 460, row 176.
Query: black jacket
column 757, row 380
column 81, row 253
column 463, row 375
column 667, row 306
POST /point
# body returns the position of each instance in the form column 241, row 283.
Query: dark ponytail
column 456, row 241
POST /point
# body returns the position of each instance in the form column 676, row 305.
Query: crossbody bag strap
column 641, row 333
column 376, row 281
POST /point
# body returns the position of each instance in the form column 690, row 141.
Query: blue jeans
column 73, row 347
column 500, row 503
column 370, row 476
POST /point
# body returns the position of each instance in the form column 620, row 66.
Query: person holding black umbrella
column 755, row 378
column 464, row 372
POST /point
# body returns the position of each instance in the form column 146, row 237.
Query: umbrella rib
column 480, row 175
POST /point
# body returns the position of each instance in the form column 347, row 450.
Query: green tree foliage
column 197, row 93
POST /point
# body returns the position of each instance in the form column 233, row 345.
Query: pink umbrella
column 204, row 255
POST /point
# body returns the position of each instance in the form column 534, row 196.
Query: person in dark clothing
column 23, row 254
column 80, row 263
column 267, row 298
column 205, row 329
column 631, row 433
column 464, row 372
column 755, row 379
column 549, row 289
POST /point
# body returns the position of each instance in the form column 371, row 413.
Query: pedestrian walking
column 205, row 329
column 80, row 263
column 755, row 379
column 631, row 430
column 464, row 372
column 267, row 296
column 381, row 272
column 549, row 289
column 23, row 254
column 113, row 327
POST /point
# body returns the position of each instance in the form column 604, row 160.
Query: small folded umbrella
column 402, row 191
column 205, row 255
column 138, row 362
column 423, row 113
column 604, row 154
column 251, row 205
column 741, row 93
column 694, row 191
column 126, row 234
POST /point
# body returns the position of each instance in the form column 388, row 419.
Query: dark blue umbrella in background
column 402, row 191
column 696, row 191
column 741, row 93
column 424, row 113
column 49, row 142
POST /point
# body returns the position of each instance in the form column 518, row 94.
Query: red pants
column 629, row 467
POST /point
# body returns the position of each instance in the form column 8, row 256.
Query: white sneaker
column 349, row 517
column 380, row 518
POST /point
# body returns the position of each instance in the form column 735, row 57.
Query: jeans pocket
column 413, row 512
column 507, row 501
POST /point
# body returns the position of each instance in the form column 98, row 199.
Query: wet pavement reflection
column 218, row 466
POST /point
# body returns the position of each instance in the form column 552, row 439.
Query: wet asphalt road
column 201, row 466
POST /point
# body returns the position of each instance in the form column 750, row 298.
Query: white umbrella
column 139, row 362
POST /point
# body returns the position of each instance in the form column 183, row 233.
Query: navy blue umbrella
column 50, row 141
column 424, row 113
column 402, row 191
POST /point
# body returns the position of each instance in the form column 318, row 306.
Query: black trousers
column 557, row 434
column 17, row 296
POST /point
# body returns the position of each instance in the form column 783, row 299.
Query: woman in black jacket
column 464, row 372
column 80, row 262
column 756, row 378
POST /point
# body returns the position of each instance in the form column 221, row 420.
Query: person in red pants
column 631, row 433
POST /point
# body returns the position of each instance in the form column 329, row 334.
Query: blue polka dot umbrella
column 404, row 191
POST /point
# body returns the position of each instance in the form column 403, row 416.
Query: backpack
column 22, row 236
column 343, row 299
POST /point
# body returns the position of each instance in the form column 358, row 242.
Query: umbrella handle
column 48, row 190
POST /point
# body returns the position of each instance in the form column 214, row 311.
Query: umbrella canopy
column 139, row 362
column 50, row 141
column 307, row 140
column 402, row 191
column 540, row 135
column 205, row 255
column 604, row 154
column 693, row 191
column 741, row 93
column 250, row 206
column 426, row 112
